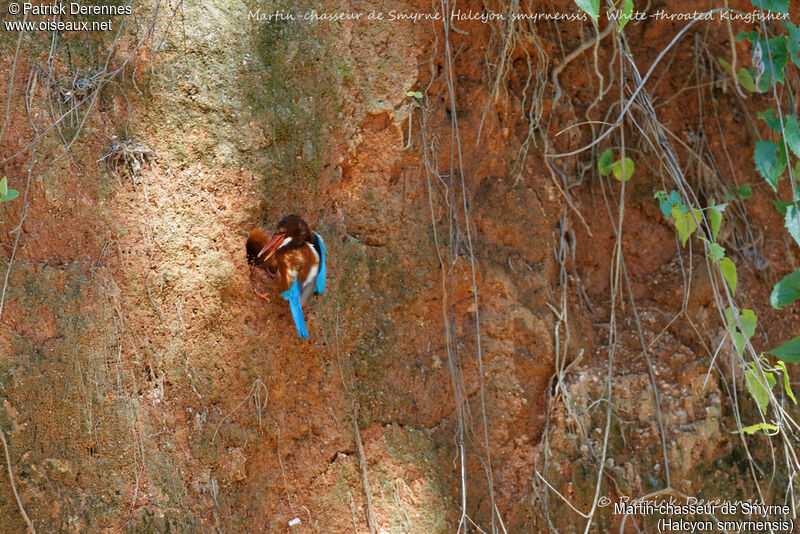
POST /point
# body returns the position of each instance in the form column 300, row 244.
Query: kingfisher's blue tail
column 293, row 296
column 320, row 287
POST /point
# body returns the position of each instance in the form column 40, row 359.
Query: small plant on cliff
column 7, row 194
column 692, row 211
column 607, row 165
column 770, row 58
column 741, row 325
column 622, row 11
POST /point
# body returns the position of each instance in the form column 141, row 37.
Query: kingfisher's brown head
column 256, row 240
column 291, row 232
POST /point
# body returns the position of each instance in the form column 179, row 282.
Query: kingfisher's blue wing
column 320, row 287
column 293, row 296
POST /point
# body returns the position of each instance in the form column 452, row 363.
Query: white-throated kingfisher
column 296, row 255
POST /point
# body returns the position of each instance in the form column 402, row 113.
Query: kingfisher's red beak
column 271, row 246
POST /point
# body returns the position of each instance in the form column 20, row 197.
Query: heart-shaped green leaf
column 10, row 195
column 716, row 252
column 728, row 269
column 770, row 162
column 746, row 79
column 786, row 291
column 590, row 7
column 616, row 168
column 605, row 162
column 792, row 222
column 627, row 12
column 684, row 223
column 758, row 389
column 788, row 352
column 791, row 134
column 715, row 218
column 776, row 6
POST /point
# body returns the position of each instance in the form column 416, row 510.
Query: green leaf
column 739, row 340
column 769, row 162
column 780, row 206
column 792, row 42
column 752, row 429
column 590, row 7
column 616, row 168
column 786, row 291
column 788, row 352
column 778, row 58
column 684, row 223
column 758, row 389
column 746, row 79
column 729, row 314
column 627, row 11
column 11, row 195
column 774, row 63
column 414, row 94
column 744, row 192
column 716, row 251
column 770, row 116
column 661, row 196
column 787, row 386
column 728, row 269
column 792, row 134
column 748, row 320
column 777, row 6
column 725, row 66
column 764, row 83
column 751, row 36
column 666, row 202
column 605, row 161
column 3, row 186
column 793, row 222
column 715, row 217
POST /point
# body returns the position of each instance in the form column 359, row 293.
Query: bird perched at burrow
column 296, row 257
